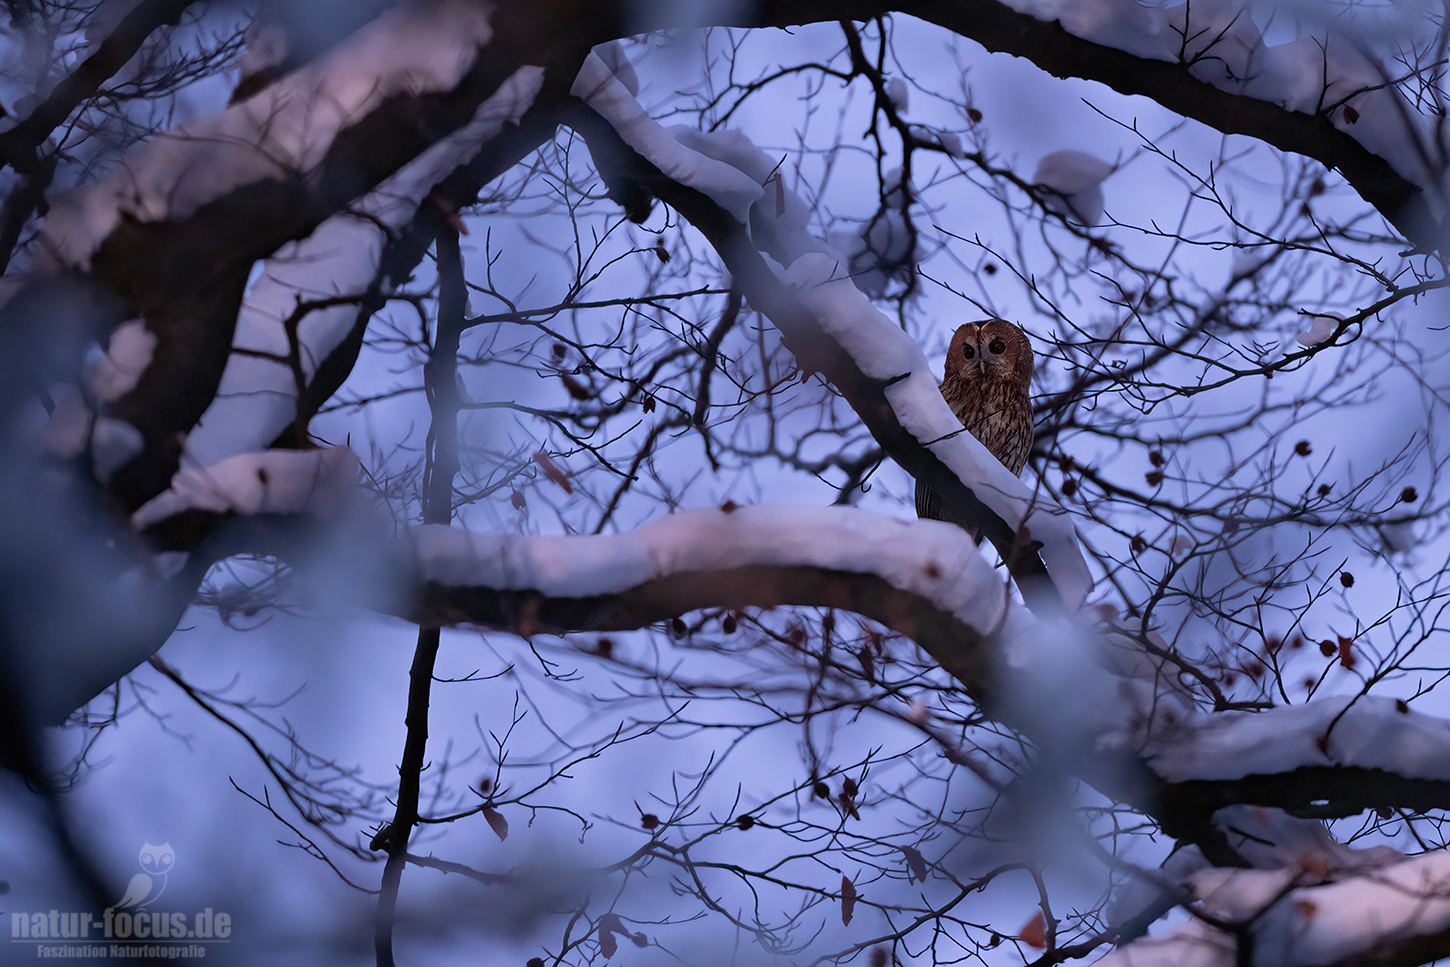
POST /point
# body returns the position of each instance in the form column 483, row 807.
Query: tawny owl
column 987, row 385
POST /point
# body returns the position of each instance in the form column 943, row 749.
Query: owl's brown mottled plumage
column 987, row 384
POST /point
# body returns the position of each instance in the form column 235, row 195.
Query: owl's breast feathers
column 996, row 412
column 999, row 414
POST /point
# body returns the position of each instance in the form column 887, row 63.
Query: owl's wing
column 929, row 507
column 136, row 891
column 926, row 501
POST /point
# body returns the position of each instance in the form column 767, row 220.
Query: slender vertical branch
column 439, row 377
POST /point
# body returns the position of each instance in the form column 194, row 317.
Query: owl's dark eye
column 969, row 351
column 997, row 346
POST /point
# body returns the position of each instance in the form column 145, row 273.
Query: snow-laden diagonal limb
column 884, row 352
column 876, row 351
column 337, row 264
column 285, row 130
column 1322, row 95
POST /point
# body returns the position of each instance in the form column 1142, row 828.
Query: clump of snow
column 114, row 373
column 1319, row 331
column 607, row 93
column 266, row 48
column 257, row 396
column 791, row 227
column 271, row 482
column 1075, row 179
column 948, row 141
column 284, row 130
column 1270, row 838
column 1369, row 732
column 68, row 430
column 113, row 443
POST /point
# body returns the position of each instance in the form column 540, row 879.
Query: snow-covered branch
column 1325, row 904
column 222, row 375
column 285, row 131
column 280, row 341
column 1084, row 692
column 1321, row 96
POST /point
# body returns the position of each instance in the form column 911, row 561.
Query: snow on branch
column 1367, row 732
column 279, row 341
column 715, row 164
column 283, row 132
column 928, row 559
column 727, row 557
column 1397, row 913
column 925, row 579
column 1079, row 693
column 1322, row 96
column 270, row 482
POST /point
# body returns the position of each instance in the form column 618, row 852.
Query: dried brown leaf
column 848, row 900
column 915, row 864
column 496, row 822
column 609, row 925
column 1034, row 933
column 552, row 471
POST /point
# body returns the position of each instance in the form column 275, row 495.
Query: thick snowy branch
column 922, row 578
column 280, row 341
column 175, row 229
column 1208, row 62
column 1385, row 912
column 1225, row 76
